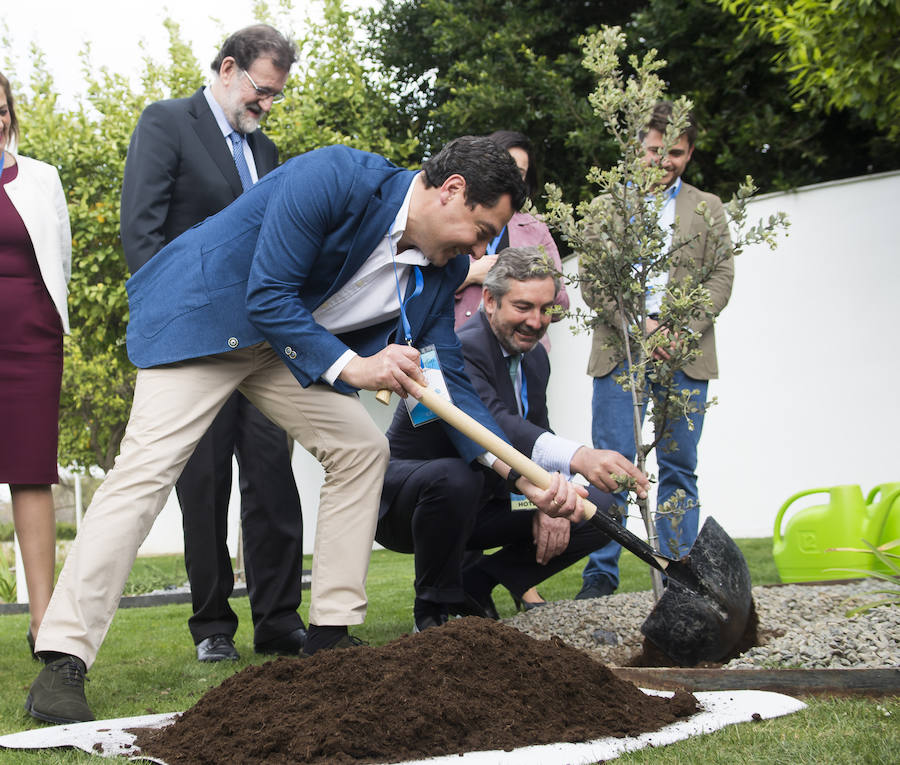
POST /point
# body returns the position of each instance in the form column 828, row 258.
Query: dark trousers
column 446, row 507
column 270, row 518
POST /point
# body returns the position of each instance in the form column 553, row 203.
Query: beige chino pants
column 173, row 407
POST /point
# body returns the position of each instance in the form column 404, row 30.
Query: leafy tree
column 840, row 53
column 337, row 96
column 743, row 104
column 474, row 66
column 621, row 247
column 469, row 66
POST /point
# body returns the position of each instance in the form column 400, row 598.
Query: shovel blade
column 707, row 622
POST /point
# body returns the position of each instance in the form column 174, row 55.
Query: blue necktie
column 237, row 143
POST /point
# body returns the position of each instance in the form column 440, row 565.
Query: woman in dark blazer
column 35, row 265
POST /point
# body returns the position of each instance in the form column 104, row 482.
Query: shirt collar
column 218, row 112
column 673, row 190
column 412, row 255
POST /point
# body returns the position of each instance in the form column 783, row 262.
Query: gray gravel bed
column 802, row 626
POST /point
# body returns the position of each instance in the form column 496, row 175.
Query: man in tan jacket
column 612, row 426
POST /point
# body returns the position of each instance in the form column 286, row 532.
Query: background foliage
column 839, row 53
column 473, row 66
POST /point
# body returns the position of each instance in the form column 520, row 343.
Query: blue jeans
column 612, row 428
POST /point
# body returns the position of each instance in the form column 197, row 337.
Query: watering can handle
column 887, row 504
column 784, row 507
column 872, row 494
column 870, row 497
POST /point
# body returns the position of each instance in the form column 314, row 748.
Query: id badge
column 520, row 502
column 419, row 414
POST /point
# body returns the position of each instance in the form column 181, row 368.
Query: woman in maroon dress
column 35, row 261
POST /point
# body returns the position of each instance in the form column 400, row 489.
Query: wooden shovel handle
column 473, row 429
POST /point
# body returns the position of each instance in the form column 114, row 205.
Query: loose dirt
column 470, row 685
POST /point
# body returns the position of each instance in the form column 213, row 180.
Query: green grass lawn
column 147, row 665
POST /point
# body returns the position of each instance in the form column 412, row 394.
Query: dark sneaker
column 57, row 694
column 346, row 641
column 595, row 588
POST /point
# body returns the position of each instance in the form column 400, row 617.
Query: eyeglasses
column 264, row 93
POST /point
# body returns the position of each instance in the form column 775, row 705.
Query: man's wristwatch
column 514, row 475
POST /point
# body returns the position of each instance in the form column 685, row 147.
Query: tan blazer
column 690, row 226
column 37, row 194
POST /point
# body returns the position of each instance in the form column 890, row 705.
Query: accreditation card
column 419, row 414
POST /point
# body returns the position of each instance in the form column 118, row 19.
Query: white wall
column 808, row 358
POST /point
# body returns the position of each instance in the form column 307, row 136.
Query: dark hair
column 519, row 264
column 13, row 120
column 250, row 43
column 662, row 115
column 489, row 170
column 510, row 139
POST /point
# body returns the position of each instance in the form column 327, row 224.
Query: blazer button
column 232, row 342
column 288, row 350
column 293, row 354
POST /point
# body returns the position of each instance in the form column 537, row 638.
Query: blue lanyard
column 420, row 284
column 524, row 389
column 2, row 158
column 492, row 247
column 674, row 191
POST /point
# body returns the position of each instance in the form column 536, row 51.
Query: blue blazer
column 258, row 269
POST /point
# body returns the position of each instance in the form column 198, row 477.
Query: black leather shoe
column 597, row 588
column 217, row 648
column 285, row 645
column 472, row 607
column 422, row 623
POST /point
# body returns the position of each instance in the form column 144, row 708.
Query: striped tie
column 237, row 143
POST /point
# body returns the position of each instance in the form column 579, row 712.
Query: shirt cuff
column 331, row 374
column 554, row 453
column 487, row 459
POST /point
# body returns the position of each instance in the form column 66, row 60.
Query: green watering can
column 800, row 551
column 889, row 494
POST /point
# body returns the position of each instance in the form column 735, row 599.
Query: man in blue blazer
column 181, row 168
column 327, row 273
column 438, row 505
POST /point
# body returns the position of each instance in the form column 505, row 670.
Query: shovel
column 706, row 607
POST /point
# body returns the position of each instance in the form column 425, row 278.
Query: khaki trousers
column 173, row 407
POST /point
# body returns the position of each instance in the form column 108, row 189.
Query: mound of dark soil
column 470, row 685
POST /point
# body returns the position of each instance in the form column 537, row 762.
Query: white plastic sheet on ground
column 108, row 738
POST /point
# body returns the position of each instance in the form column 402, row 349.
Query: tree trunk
column 638, row 395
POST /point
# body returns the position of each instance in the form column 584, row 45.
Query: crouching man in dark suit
column 438, row 505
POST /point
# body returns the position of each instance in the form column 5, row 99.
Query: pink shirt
column 524, row 231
